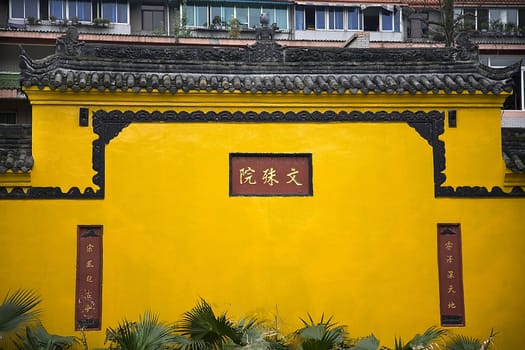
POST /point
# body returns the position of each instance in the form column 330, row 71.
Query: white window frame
column 25, row 12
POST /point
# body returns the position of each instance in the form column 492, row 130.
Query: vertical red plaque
column 452, row 304
column 88, row 301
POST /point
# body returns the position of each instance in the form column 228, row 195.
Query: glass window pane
column 254, row 17
column 122, row 11
column 228, row 12
column 320, row 18
column 201, row 15
column 336, row 18
column 281, row 17
column 299, row 18
column 242, row 15
column 496, row 22
column 386, row 19
column 483, row 19
column 353, row 18
column 31, row 8
column 17, row 9
column 109, row 10
column 147, row 20
column 512, row 16
column 216, row 14
column 397, row 20
column 55, row 9
column 190, row 15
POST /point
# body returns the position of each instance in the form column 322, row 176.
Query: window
column 335, row 18
column 152, row 17
column 387, row 18
column 320, row 18
column 24, row 8
column 57, row 8
column 299, row 18
column 371, row 19
column 115, row 10
column 482, row 19
column 254, row 16
column 354, row 16
column 197, row 15
column 242, row 15
column 309, row 14
column 62, row 9
column 80, row 9
column 249, row 16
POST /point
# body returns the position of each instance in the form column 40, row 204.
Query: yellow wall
column 362, row 248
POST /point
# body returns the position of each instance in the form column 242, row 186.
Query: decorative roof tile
column 513, row 140
column 265, row 67
column 15, row 148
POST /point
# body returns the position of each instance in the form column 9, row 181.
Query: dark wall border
column 107, row 125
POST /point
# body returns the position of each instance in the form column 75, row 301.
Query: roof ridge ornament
column 264, row 32
column 68, row 44
column 467, row 50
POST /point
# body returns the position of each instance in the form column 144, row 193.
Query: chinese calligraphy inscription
column 450, row 275
column 88, row 294
column 271, row 174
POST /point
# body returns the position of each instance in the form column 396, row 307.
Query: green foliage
column 147, row 334
column 204, row 330
column 367, row 343
column 37, row 338
column 18, row 309
column 426, row 341
column 323, row 335
column 462, row 342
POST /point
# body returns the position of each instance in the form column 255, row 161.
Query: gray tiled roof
column 514, row 148
column 15, row 148
column 263, row 67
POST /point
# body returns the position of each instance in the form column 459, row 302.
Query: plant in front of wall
column 17, row 310
column 462, row 342
column 322, row 335
column 37, row 338
column 216, row 22
column 200, row 328
column 235, row 28
column 32, row 20
column 101, row 22
column 146, row 334
column 426, row 341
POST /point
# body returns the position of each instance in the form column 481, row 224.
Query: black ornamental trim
column 108, row 124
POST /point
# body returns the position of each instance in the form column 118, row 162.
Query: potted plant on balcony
column 216, row 23
column 235, row 28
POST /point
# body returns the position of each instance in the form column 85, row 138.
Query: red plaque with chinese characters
column 271, row 174
column 88, row 301
column 452, row 305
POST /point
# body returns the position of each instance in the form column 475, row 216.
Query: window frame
column 118, row 4
column 26, row 15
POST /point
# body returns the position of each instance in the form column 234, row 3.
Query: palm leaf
column 427, row 340
column 147, row 334
column 18, row 309
column 462, row 342
column 367, row 343
column 201, row 324
column 323, row 335
column 37, row 338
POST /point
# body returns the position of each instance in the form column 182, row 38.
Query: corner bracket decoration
column 107, row 125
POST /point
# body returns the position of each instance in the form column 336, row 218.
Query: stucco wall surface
column 363, row 248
